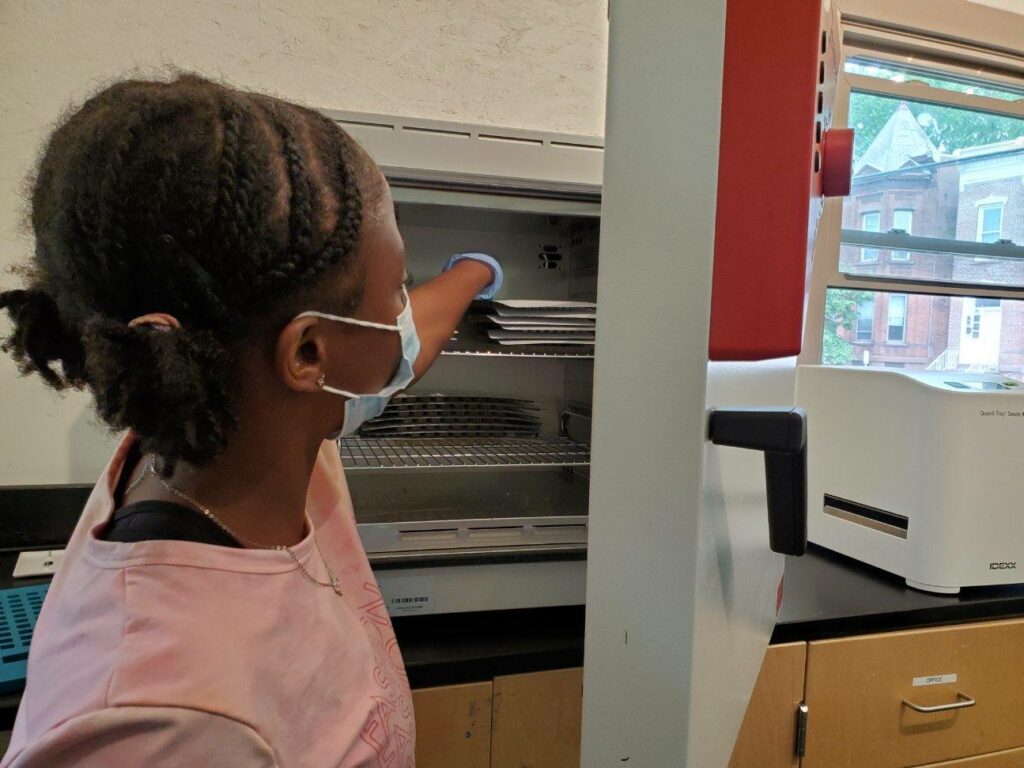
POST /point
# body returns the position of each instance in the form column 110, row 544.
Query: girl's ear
column 300, row 356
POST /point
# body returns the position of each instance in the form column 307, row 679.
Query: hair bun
column 170, row 387
column 40, row 338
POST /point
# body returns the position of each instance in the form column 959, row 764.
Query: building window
column 903, row 220
column 866, row 319
column 897, row 317
column 870, row 222
column 990, row 223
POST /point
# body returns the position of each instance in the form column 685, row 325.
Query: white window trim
column 864, row 259
column 980, row 218
column 902, row 256
column 856, row 326
column 825, row 273
column 992, row 200
column 888, row 318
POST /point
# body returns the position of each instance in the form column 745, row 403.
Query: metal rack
column 474, row 348
column 359, row 453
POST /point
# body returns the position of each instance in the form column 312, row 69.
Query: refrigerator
column 662, row 487
column 719, row 151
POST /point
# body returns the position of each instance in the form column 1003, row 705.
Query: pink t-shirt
column 173, row 653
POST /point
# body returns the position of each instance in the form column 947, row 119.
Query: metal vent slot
column 367, row 124
column 436, row 131
column 876, row 519
column 571, row 145
column 511, row 139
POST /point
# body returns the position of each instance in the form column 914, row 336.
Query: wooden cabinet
column 1013, row 758
column 854, row 689
column 518, row 720
column 453, row 726
column 538, row 720
column 768, row 735
column 858, row 688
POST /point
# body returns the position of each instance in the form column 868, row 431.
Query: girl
column 223, row 271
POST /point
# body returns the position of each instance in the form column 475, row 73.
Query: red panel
column 778, row 86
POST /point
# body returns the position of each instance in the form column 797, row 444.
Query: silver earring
column 320, row 380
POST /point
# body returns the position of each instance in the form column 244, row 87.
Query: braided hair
column 224, row 208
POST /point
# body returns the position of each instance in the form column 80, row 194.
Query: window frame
column 825, row 272
column 901, row 256
column 982, row 207
column 888, row 318
column 871, row 320
column 864, row 258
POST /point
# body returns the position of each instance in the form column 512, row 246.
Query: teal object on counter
column 19, row 609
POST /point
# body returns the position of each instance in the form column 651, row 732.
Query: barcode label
column 406, row 595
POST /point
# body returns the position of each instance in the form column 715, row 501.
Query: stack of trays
column 522, row 322
column 454, row 416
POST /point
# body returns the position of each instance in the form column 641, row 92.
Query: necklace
column 333, row 582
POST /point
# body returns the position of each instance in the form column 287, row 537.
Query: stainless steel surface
column 448, row 499
column 362, row 454
column 454, row 417
column 473, row 538
column 962, row 702
column 478, row 348
column 867, row 522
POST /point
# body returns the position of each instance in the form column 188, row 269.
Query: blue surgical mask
column 360, row 408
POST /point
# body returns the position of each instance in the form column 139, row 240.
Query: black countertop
column 826, row 595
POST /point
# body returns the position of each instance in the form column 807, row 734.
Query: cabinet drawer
column 856, row 688
column 453, row 726
column 537, row 720
column 768, row 736
column 1013, row 758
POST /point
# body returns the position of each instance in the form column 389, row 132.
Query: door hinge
column 800, row 748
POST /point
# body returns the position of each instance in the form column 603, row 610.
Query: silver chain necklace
column 333, row 583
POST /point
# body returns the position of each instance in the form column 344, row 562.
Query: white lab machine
column 917, row 472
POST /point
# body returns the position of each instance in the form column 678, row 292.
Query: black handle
column 782, row 434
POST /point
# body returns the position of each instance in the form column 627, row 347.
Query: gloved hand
column 499, row 276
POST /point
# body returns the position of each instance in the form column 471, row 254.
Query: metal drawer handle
column 962, row 702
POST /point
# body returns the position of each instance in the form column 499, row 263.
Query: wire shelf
column 471, row 347
column 358, row 453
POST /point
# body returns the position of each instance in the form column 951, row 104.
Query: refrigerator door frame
column 682, row 589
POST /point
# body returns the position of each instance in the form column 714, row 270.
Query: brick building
column 904, row 182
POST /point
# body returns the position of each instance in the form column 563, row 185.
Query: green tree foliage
column 841, row 307
column 949, row 128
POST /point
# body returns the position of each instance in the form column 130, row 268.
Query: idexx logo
column 1002, row 566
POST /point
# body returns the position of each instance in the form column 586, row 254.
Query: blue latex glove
column 499, row 276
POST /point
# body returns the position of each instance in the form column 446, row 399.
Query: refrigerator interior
column 446, row 497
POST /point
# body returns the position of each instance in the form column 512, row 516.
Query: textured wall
column 536, row 64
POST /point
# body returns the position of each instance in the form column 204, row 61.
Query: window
column 866, row 319
column 951, row 173
column 897, row 317
column 903, row 220
column 902, row 72
column 990, row 222
column 938, row 154
column 870, row 222
column 950, row 333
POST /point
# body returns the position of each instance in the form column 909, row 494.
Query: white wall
column 537, row 64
